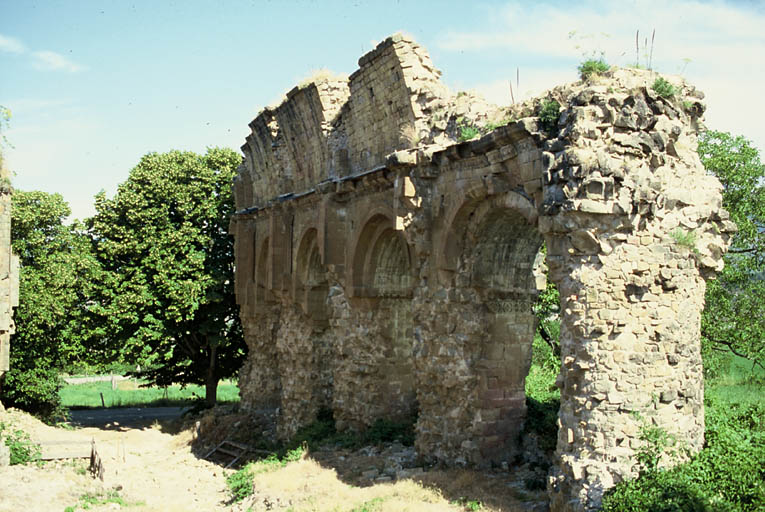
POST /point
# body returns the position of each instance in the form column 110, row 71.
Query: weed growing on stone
column 657, row 443
column 663, row 88
column 468, row 132
column 22, row 448
column 491, row 126
column 685, row 239
column 592, row 67
column 549, row 113
column 409, row 135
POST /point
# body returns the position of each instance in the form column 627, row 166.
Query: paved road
column 94, row 378
column 124, row 417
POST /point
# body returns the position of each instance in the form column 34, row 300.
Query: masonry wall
column 9, row 273
column 382, row 275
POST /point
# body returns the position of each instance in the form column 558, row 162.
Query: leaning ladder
column 230, row 449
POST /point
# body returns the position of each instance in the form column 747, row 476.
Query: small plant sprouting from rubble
column 663, row 88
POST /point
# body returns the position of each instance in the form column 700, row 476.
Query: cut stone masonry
column 9, row 274
column 386, row 269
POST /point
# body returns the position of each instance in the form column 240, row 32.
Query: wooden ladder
column 230, row 449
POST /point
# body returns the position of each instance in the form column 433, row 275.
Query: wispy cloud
column 53, row 61
column 11, row 45
column 42, row 59
column 717, row 45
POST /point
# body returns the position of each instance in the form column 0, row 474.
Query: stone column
column 633, row 225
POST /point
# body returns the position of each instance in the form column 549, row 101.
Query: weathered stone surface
column 5, row 453
column 384, row 268
column 9, row 273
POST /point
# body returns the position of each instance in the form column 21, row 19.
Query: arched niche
column 383, row 279
column 382, row 261
column 310, row 279
column 261, row 273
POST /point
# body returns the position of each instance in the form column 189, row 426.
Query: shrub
column 468, row 132
column 549, row 113
column 22, row 448
column 663, row 88
column 542, row 396
column 592, row 67
column 727, row 475
column 35, row 390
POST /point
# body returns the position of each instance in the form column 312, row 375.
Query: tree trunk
column 211, row 380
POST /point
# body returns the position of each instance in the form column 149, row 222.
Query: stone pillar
column 9, row 274
column 633, row 225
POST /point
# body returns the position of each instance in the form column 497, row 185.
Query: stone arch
column 382, row 278
column 486, row 264
column 310, row 279
column 382, row 260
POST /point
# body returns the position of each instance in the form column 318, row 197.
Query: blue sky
column 92, row 86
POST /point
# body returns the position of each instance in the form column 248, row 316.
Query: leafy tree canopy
column 163, row 240
column 57, row 276
column 734, row 317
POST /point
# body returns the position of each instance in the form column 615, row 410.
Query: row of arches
column 485, row 250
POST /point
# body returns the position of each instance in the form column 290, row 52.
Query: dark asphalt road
column 123, row 417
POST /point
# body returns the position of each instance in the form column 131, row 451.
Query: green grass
column 738, row 383
column 240, row 484
column 84, row 396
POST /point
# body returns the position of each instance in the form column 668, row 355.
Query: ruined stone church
column 386, row 267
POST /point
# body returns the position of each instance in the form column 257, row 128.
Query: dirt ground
column 153, row 468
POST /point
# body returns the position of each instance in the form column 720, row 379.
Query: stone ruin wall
column 384, row 269
column 9, row 274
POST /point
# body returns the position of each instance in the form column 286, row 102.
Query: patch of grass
column 663, row 88
column 374, row 505
column 549, row 114
column 22, row 449
column 97, row 499
column 592, row 67
column 468, row 505
column 130, row 394
column 240, row 484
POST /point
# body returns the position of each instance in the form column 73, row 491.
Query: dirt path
column 150, row 467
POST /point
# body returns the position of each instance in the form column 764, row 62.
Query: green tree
column 164, row 241
column 734, row 318
column 57, row 276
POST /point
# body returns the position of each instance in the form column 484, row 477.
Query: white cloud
column 724, row 42
column 11, row 45
column 44, row 59
column 53, row 61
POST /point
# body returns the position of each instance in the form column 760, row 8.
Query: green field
column 129, row 393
